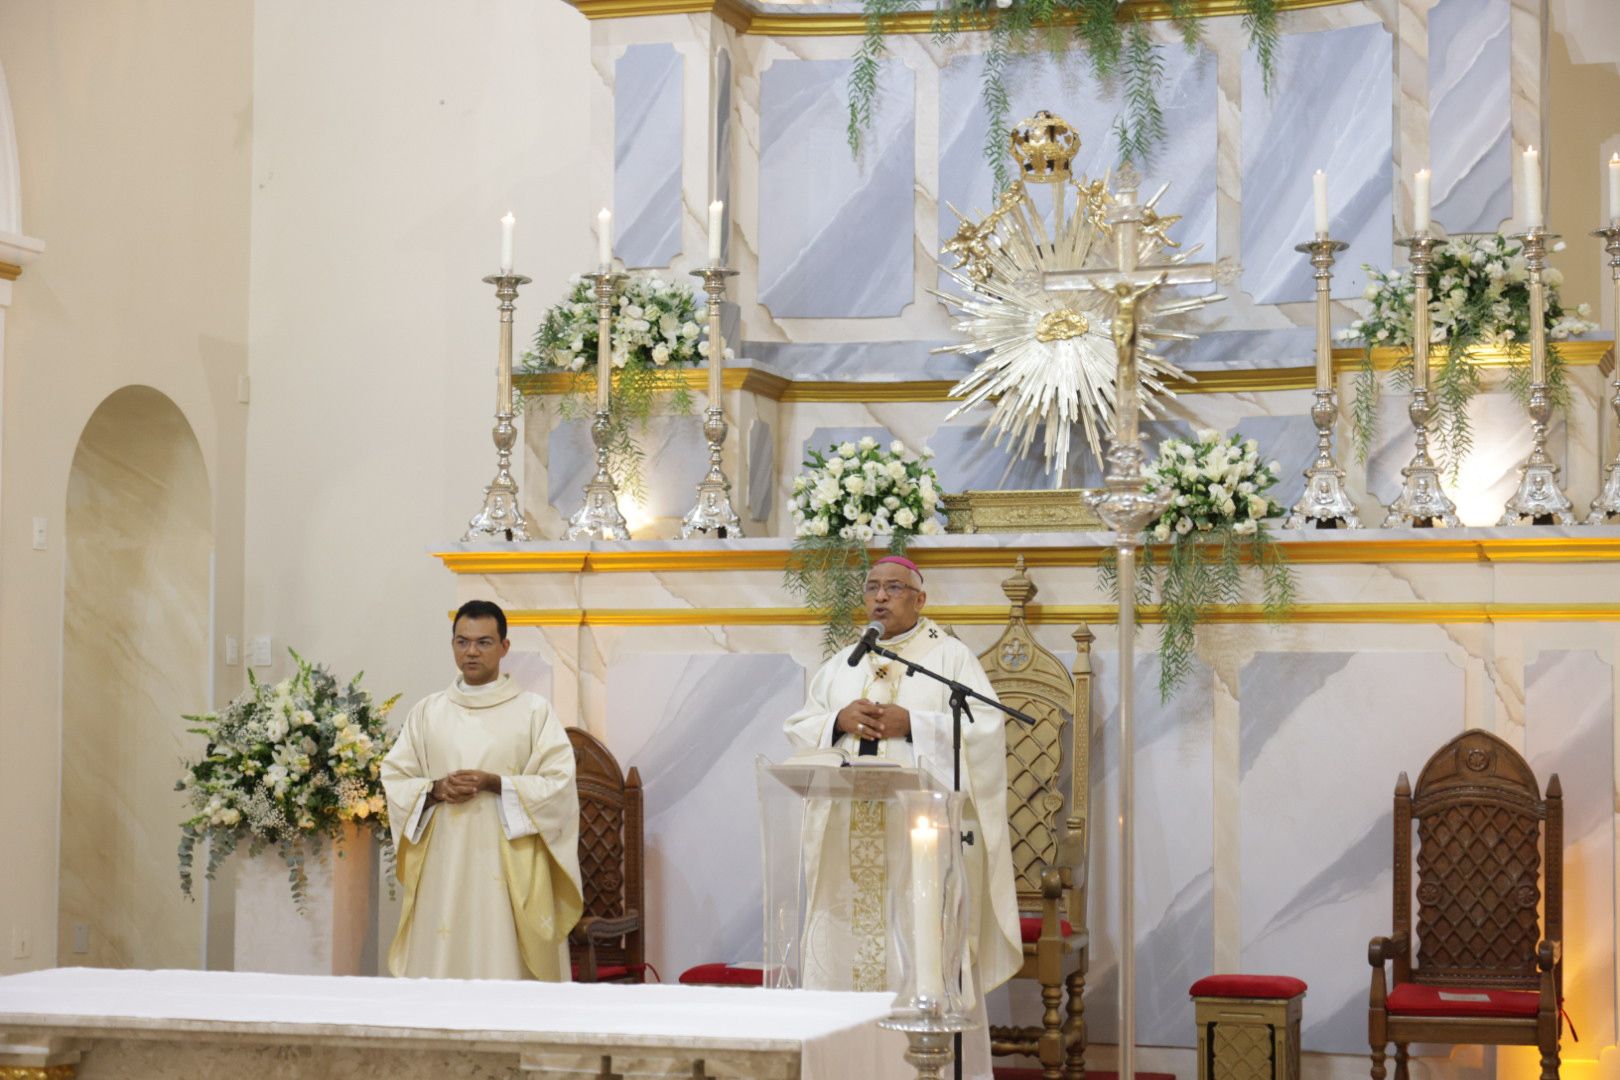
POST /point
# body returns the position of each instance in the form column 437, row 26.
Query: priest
column 485, row 818
column 873, row 709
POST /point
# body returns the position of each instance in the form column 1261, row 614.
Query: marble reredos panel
column 1470, row 114
column 835, row 231
column 647, row 106
column 1322, row 738
column 1330, row 109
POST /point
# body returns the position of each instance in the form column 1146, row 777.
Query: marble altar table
column 156, row 1025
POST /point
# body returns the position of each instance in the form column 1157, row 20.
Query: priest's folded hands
column 866, row 719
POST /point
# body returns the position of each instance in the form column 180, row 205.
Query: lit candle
column 717, row 215
column 1420, row 202
column 604, row 238
column 1532, row 189
column 1614, row 188
column 927, row 910
column 508, row 224
column 1320, row 182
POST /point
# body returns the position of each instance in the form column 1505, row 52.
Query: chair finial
column 1019, row 589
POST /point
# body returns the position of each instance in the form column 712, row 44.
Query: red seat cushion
column 606, row 972
column 1415, row 999
column 1029, row 927
column 1248, row 986
column 722, row 975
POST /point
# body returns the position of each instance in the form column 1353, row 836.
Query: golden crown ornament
column 1044, row 147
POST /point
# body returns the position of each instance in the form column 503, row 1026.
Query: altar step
column 1008, row 1073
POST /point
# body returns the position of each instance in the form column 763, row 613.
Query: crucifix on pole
column 1126, row 506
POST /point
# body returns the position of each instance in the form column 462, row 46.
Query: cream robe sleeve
column 815, row 725
column 406, row 782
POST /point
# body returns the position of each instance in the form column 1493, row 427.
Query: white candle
column 1532, row 188
column 1320, row 183
column 508, row 225
column 1420, row 202
column 927, row 910
column 604, row 239
column 717, row 216
column 1614, row 188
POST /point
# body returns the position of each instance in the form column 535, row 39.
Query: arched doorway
column 135, row 657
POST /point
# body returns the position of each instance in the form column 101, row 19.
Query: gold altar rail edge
column 813, row 23
column 1528, row 549
column 1220, row 381
column 1068, row 614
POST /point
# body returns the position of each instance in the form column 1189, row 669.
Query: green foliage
column 1139, row 128
column 1260, row 22
column 863, row 77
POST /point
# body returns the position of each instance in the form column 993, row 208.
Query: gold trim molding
column 1068, row 614
column 1223, row 381
column 37, row 1072
column 1528, row 549
column 813, row 23
column 9, row 272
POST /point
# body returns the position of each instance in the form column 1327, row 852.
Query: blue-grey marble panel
column 693, row 726
column 835, row 232
column 1470, row 114
column 761, row 469
column 860, row 359
column 1322, row 738
column 1220, row 349
column 1288, row 440
column 647, row 155
column 1569, row 730
column 530, row 670
column 1331, row 109
column 722, row 145
column 823, row 437
column 677, row 457
column 1186, row 158
column 1489, row 474
column 1175, row 930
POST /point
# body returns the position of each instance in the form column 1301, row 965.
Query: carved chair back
column 610, row 827
column 1029, row 677
column 1487, row 841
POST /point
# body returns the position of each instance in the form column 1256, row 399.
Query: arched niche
column 135, row 658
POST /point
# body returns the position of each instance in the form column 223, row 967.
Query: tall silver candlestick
column 712, row 513
column 1539, row 500
column 1422, row 501
column 599, row 518
column 501, row 517
column 1606, row 507
column 1324, row 504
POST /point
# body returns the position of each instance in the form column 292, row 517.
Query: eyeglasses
column 888, row 588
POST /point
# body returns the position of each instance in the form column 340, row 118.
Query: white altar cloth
column 835, row 1035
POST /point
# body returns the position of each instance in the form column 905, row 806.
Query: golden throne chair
column 608, row 944
column 1489, row 966
column 1047, row 832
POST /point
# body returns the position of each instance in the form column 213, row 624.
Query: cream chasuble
column 846, row 944
column 491, row 886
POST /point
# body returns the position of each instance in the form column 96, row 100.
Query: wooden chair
column 607, row 945
column 1487, row 969
column 1048, row 846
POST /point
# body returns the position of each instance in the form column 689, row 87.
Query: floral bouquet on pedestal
column 655, row 333
column 286, row 766
column 1479, row 301
column 850, row 496
column 1219, row 503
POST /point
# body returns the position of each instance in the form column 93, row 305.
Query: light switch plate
column 259, row 651
column 233, row 650
column 41, row 533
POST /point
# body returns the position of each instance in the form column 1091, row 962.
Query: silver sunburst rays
column 1048, row 358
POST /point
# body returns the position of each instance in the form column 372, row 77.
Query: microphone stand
column 960, row 693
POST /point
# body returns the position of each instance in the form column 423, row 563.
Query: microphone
column 869, row 636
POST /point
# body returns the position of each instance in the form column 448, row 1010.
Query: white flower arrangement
column 1216, row 482
column 285, row 766
column 864, row 493
column 656, row 324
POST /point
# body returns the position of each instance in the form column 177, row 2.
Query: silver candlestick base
column 930, row 1038
column 501, row 518
column 1539, row 500
column 1422, row 501
column 712, row 514
column 1606, row 507
column 1325, row 504
column 599, row 518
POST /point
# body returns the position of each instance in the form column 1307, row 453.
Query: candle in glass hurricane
column 927, row 910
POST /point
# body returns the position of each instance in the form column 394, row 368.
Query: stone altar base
column 334, row 935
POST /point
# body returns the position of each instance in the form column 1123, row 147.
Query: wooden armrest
column 1549, row 954
column 593, row 928
column 1382, row 950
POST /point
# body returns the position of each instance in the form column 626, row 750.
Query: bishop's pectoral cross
column 1132, row 287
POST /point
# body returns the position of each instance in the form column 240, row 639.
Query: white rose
column 847, row 449
column 851, row 511
column 1245, row 528
column 820, row 526
column 846, row 532
column 689, row 330
column 1184, row 525
column 863, row 532
column 660, row 355
column 904, row 517
column 892, row 503
column 854, row 485
column 835, row 465
column 897, row 447
column 1161, row 532
column 1257, row 506
column 868, row 443
column 930, row 528
column 896, row 470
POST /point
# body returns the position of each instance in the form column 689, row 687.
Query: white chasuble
column 846, row 944
column 491, row 885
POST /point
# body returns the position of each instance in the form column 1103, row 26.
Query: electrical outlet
column 41, row 533
column 233, row 650
column 259, row 651
column 81, row 938
column 21, row 946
